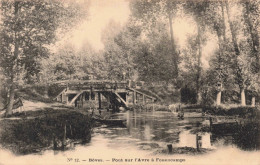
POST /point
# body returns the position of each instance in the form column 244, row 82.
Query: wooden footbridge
column 101, row 93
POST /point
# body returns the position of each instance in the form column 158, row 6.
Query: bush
column 54, row 90
column 232, row 111
column 31, row 135
column 188, row 96
column 230, row 97
column 36, row 93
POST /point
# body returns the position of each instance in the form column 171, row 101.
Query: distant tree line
column 148, row 48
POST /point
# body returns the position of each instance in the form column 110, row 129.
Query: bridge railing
column 99, row 84
column 95, row 84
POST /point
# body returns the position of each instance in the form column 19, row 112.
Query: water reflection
column 147, row 132
column 162, row 128
column 245, row 137
column 206, row 142
column 187, row 139
column 200, row 140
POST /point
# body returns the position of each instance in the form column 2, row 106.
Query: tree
column 149, row 13
column 121, row 45
column 153, row 62
column 233, row 60
column 198, row 10
column 63, row 64
column 240, row 64
column 27, row 29
column 189, row 67
column 215, row 20
column 251, row 13
column 113, row 55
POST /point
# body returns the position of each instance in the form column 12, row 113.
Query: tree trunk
column 243, row 97
column 175, row 55
column 46, row 91
column 253, row 33
column 253, row 101
column 237, row 52
column 221, row 48
column 233, row 32
column 64, row 137
column 10, row 101
column 199, row 67
column 219, row 78
column 14, row 66
column 218, row 101
column 223, row 21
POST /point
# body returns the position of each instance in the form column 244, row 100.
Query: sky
column 101, row 12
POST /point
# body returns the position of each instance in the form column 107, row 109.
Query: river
column 153, row 131
column 145, row 138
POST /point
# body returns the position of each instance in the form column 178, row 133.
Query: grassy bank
column 233, row 111
column 46, row 129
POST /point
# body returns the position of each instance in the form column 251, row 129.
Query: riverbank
column 241, row 111
column 48, row 128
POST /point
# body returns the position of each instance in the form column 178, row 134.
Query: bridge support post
column 134, row 98
column 143, row 100
column 126, row 98
column 99, row 100
column 63, row 97
column 67, row 99
column 108, row 97
column 83, row 98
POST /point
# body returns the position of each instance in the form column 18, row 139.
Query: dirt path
column 29, row 106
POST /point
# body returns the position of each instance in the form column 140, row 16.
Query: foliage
column 155, row 18
column 153, row 62
column 120, row 47
column 27, row 136
column 28, row 28
column 29, row 31
column 188, row 96
column 145, row 48
column 251, row 12
column 232, row 111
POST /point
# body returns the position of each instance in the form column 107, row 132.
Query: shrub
column 31, row 135
column 232, row 111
